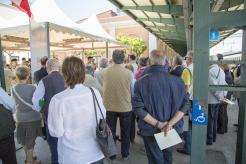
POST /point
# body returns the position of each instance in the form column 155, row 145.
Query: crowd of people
column 156, row 94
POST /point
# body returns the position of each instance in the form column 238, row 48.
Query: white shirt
column 72, row 120
column 216, row 77
column 38, row 95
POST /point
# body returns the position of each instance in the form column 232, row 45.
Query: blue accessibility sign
column 214, row 36
column 199, row 116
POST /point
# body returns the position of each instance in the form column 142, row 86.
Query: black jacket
column 38, row 75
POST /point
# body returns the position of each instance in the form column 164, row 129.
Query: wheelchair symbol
column 200, row 119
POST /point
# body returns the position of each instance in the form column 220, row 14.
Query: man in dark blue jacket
column 160, row 100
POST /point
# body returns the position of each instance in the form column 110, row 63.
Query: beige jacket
column 117, row 88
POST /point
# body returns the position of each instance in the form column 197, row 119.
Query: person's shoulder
column 61, row 95
column 31, row 86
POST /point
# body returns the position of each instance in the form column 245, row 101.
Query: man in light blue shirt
column 7, row 127
column 7, row 101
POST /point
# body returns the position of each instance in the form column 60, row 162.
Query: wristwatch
column 157, row 124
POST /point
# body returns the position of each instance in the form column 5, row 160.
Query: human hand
column 162, row 125
column 166, row 128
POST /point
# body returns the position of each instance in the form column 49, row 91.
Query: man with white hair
column 50, row 85
column 160, row 100
column 103, row 63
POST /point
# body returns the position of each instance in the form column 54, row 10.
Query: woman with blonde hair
column 72, row 120
column 28, row 120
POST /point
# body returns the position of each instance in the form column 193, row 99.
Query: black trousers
column 7, row 150
column 213, row 112
column 222, row 119
column 133, row 127
column 125, row 128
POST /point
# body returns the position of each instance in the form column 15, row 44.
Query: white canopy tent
column 64, row 34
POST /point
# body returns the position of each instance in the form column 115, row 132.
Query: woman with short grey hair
column 28, row 120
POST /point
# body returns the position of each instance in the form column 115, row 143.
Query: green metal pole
column 201, row 19
column 3, row 85
column 241, row 135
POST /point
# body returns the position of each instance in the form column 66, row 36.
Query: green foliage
column 136, row 44
column 89, row 53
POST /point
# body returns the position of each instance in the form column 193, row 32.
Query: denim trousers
column 125, row 128
column 187, row 141
column 155, row 154
column 213, row 111
column 52, row 142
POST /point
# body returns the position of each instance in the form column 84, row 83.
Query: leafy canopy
column 136, row 44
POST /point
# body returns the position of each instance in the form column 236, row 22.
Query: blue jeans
column 213, row 111
column 187, row 139
column 125, row 128
column 52, row 141
column 154, row 154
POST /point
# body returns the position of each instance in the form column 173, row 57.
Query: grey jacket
column 24, row 113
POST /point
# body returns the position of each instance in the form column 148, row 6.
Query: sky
column 79, row 9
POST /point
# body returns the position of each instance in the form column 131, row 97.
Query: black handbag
column 104, row 135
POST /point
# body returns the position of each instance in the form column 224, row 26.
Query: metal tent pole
column 3, row 85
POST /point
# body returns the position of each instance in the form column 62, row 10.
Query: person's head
column 23, row 60
column 14, row 63
column 143, row 61
column 103, row 63
column 43, row 61
column 220, row 57
column 22, row 73
column 52, row 65
column 130, row 67
column 73, row 69
column 132, row 57
column 157, row 57
column 189, row 58
column 177, row 61
column 89, row 59
column 118, row 56
column 89, row 69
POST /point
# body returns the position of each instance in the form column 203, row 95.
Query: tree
column 136, row 44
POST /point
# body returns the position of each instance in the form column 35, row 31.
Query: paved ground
column 224, row 147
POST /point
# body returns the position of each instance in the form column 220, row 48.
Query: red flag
column 22, row 5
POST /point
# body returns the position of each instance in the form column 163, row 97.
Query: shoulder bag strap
column 95, row 98
column 21, row 99
column 94, row 103
column 218, row 74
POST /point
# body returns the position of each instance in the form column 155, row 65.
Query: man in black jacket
column 38, row 75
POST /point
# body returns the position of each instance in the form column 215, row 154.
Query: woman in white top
column 72, row 118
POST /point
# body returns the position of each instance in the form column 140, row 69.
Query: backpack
column 7, row 123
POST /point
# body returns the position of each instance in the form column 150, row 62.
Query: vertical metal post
column 200, row 85
column 241, row 135
column 106, row 49
column 3, row 85
column 39, row 43
column 188, row 31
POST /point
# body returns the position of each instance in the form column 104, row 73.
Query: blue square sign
column 214, row 36
column 199, row 116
